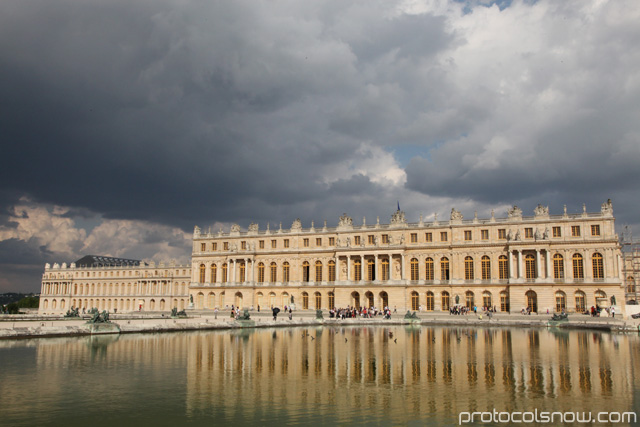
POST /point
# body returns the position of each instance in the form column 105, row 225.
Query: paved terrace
column 30, row 326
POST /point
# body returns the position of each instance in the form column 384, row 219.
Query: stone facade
column 544, row 262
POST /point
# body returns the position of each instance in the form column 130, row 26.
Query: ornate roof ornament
column 435, row 219
column 398, row 219
column 196, row 231
column 296, row 225
column 345, row 222
column 493, row 216
column 456, row 215
column 475, row 217
column 541, row 211
column 421, row 222
column 515, row 213
column 253, row 228
column 235, row 230
column 607, row 208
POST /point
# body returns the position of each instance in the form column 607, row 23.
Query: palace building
column 542, row 262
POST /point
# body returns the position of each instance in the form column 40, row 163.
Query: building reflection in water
column 395, row 374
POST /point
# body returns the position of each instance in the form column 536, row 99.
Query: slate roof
column 106, row 261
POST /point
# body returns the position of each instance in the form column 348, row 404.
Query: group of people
column 359, row 312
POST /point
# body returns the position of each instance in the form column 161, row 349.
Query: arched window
column 261, row 272
column 384, row 299
column 428, row 268
column 631, row 285
column 532, row 301
column 242, row 272
column 305, row 271
column 305, row 301
column 415, row 301
column 318, row 300
column 202, row 271
column 578, row 268
column 470, row 300
column 486, row 268
column 561, row 301
column 503, row 267
column 224, row 272
column 332, row 299
column 430, row 301
column 530, row 266
column 274, row 272
column 486, row 299
column 504, row 301
column 444, row 268
column 332, row 272
column 581, row 305
column 214, row 273
column 558, row 266
column 598, row 266
column 385, row 269
column 414, row 269
column 445, row 301
column 285, row 272
column 468, row 268
column 318, row 271
column 357, row 270
column 371, row 270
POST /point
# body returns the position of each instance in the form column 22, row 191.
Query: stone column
column 402, row 267
column 511, row 272
column 348, row 268
column 233, row 271
column 376, row 273
column 548, row 273
column 538, row 264
column 520, row 275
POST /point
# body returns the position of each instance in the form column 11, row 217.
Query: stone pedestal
column 246, row 323
column 104, row 328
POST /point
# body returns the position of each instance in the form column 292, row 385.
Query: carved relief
column 456, row 215
column 253, row 228
column 541, row 210
column 345, row 222
column 296, row 225
column 398, row 218
column 235, row 228
column 607, row 208
column 515, row 213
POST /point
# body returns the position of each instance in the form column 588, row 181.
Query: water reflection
column 325, row 375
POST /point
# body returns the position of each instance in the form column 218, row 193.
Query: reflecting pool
column 325, row 376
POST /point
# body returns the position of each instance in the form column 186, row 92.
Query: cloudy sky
column 124, row 124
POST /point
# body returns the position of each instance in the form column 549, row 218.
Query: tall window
column 578, row 267
column 414, row 269
column 318, row 300
column 631, row 285
column 504, row 301
column 430, row 301
column 285, row 272
column 595, row 230
column 318, row 271
column 371, row 239
column 415, row 301
column 558, row 266
column 444, row 268
column 580, row 302
column 414, row 237
column 286, row 243
column 443, row 236
column 502, row 233
column 575, row 230
column 557, row 232
column 202, row 272
column 486, row 299
column 332, row 272
column 469, row 299
column 242, row 272
column 305, row 271
column 445, row 301
column 225, row 270
column 528, row 233
column 273, row 244
column 203, row 247
column 261, row 244
column 260, row 273
column 214, row 273
column 305, row 301
column 305, row 243
column 468, row 268
column 274, row 271
column 467, row 235
column 486, row 268
column 357, row 271
column 385, row 269
column 356, row 240
column 428, row 237
column 332, row 300
column 503, row 267
column 332, row 241
column 428, row 263
column 318, row 241
column 598, row 267
column 484, row 234
column 371, row 270
column 561, row 301
column 530, row 266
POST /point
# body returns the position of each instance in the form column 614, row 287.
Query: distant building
column 540, row 262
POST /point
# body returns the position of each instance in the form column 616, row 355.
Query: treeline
column 11, row 306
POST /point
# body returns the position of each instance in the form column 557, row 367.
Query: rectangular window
column 203, row 247
column 243, row 245
column 261, row 244
column 595, row 230
column 371, row 239
column 502, row 233
column 286, row 243
column 332, row 241
column 414, row 237
column 443, row 236
column 528, row 233
column 467, row 235
column 305, row 243
column 385, row 238
column 225, row 246
column 318, row 241
column 428, row 237
column 356, row 240
column 273, row 244
column 557, row 232
column 214, row 246
column 575, row 230
column 484, row 234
